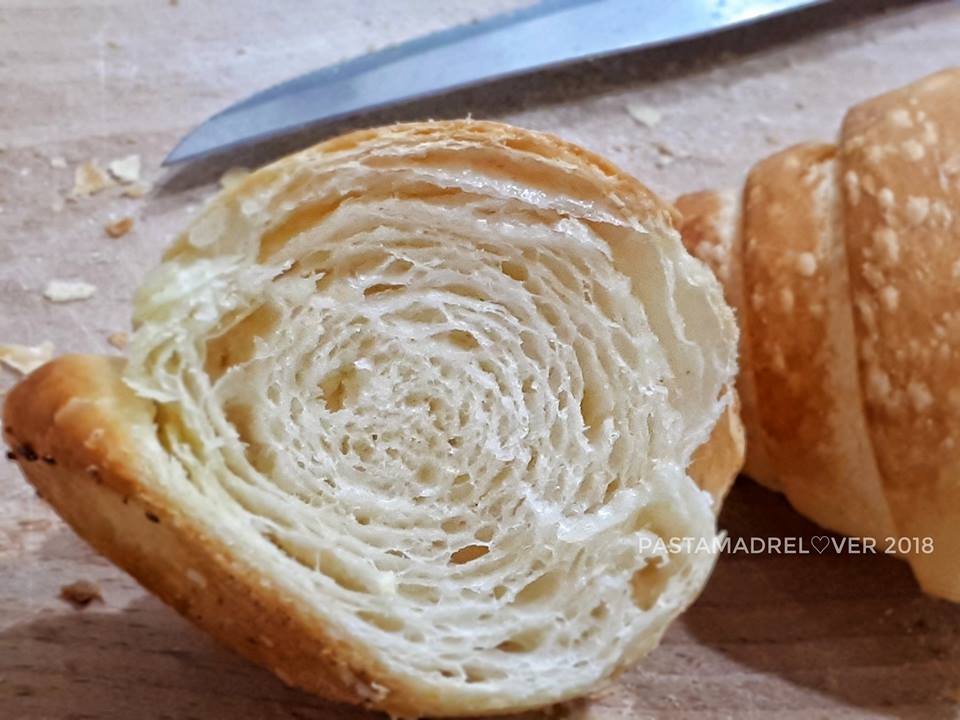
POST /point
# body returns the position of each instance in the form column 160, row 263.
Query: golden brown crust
column 801, row 341
column 718, row 461
column 71, row 424
column 901, row 158
column 850, row 304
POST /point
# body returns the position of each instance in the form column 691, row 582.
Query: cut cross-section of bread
column 410, row 419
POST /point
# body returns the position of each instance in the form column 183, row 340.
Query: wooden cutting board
column 832, row 635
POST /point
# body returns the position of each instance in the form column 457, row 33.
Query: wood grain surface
column 831, row 635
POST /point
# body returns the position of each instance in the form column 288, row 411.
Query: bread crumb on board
column 136, row 190
column 233, row 176
column 58, row 163
column 120, row 227
column 68, row 290
column 644, row 114
column 667, row 154
column 89, row 179
column 119, row 340
column 26, row 358
column 81, row 593
column 126, row 169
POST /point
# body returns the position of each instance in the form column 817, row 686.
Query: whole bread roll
column 404, row 417
column 843, row 262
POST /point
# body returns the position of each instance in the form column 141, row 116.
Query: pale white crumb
column 136, row 190
column 89, row 179
column 119, row 340
column 644, row 114
column 68, row 290
column 126, row 169
column 26, row 358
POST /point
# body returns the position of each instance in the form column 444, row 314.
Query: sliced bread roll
column 408, row 418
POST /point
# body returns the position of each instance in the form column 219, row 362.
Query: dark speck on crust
column 27, row 452
column 151, row 517
column 49, row 460
column 11, row 455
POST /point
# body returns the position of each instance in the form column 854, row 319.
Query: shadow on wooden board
column 836, row 629
column 828, row 635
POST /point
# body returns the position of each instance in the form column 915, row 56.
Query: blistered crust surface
column 850, row 301
column 445, row 380
column 901, row 158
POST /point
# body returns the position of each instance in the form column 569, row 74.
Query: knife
column 548, row 34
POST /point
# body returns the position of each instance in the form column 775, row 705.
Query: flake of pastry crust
column 136, row 190
column 89, row 179
column 119, row 340
column 126, row 169
column 233, row 176
column 81, row 593
column 68, row 290
column 120, row 227
column 644, row 114
column 26, row 358
column 667, row 154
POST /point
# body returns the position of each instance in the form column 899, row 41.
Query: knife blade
column 548, row 34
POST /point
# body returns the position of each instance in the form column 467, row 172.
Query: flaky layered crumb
column 442, row 384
